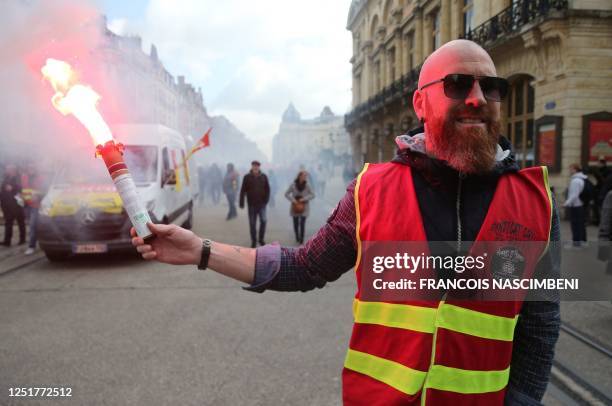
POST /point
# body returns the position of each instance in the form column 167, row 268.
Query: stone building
column 308, row 141
column 148, row 92
column 557, row 55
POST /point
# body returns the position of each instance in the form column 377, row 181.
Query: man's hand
column 172, row 245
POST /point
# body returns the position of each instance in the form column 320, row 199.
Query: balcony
column 398, row 90
column 514, row 19
column 508, row 23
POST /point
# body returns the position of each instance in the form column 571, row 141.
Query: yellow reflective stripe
column 550, row 201
column 398, row 376
column 358, row 215
column 466, row 381
column 408, row 317
column 476, row 323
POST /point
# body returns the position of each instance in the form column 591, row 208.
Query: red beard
column 470, row 150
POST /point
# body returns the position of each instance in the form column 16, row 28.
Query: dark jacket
column 256, row 189
column 7, row 198
column 230, row 182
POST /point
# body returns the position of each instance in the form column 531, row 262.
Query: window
column 377, row 77
column 410, row 49
column 519, row 113
column 435, row 33
column 391, row 58
column 142, row 161
column 468, row 16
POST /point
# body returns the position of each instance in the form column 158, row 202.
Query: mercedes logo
column 89, row 217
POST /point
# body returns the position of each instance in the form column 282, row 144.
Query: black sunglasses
column 458, row 86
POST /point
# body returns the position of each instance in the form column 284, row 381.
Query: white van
column 82, row 213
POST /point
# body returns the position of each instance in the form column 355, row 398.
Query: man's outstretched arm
column 177, row 246
column 325, row 257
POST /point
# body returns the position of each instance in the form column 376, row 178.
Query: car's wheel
column 56, row 256
column 188, row 224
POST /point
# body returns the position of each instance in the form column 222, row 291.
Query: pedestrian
column 202, row 174
column 256, row 189
column 215, row 178
column 11, row 203
column 455, row 179
column 576, row 206
column 320, row 177
column 230, row 188
column 299, row 194
column 348, row 174
column 601, row 174
column 605, row 233
column 273, row 187
column 33, row 191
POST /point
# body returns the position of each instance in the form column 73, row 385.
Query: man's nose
column 476, row 98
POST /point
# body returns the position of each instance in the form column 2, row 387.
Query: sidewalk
column 13, row 257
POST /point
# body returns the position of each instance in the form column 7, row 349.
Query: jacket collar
column 411, row 151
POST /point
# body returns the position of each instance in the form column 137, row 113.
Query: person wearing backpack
column 578, row 190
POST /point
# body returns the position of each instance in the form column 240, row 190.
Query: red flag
column 202, row 143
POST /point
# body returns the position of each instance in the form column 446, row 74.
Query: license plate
column 89, row 248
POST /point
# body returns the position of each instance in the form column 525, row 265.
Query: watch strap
column 206, row 246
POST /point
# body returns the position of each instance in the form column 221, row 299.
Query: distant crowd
column 259, row 190
column 21, row 193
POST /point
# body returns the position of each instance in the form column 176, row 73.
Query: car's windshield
column 141, row 161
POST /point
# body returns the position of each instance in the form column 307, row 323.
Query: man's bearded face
column 465, row 137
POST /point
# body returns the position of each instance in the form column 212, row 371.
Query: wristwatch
column 206, row 246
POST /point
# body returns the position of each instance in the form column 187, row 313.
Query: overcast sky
column 251, row 58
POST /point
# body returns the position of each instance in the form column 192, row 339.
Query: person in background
column 575, row 205
column 605, row 232
column 601, row 173
column 33, row 191
column 273, row 186
column 230, row 187
column 216, row 183
column 201, row 184
column 12, row 205
column 299, row 194
column 256, row 189
column 321, row 176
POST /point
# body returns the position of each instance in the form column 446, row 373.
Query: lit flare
column 77, row 99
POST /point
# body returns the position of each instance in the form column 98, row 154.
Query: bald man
column 453, row 180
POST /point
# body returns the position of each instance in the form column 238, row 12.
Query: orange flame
column 77, row 99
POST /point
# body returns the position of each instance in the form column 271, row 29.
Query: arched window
column 519, row 119
column 387, row 12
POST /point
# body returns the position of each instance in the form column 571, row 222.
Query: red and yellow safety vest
column 453, row 352
column 30, row 191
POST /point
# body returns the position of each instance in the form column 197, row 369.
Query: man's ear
column 418, row 103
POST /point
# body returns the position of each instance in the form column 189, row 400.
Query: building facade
column 557, row 55
column 148, row 92
column 310, row 141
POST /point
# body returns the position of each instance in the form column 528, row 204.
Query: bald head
column 458, row 56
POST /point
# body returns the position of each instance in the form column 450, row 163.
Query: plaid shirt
column 332, row 251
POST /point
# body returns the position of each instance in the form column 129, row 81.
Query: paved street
column 122, row 331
